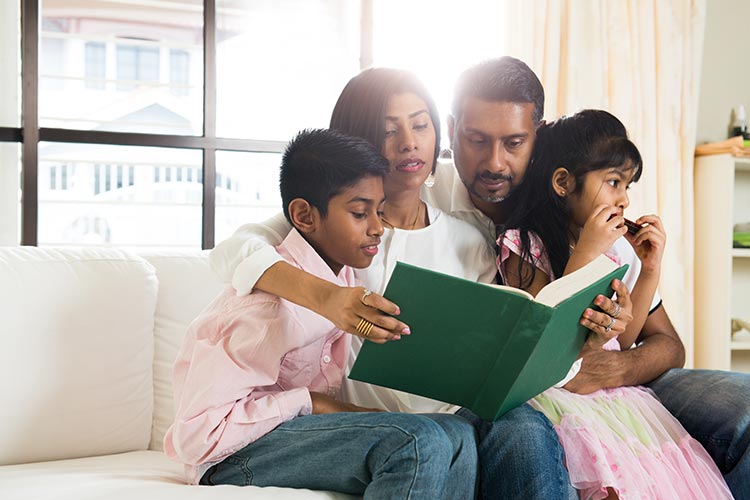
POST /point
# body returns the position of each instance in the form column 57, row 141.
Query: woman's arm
column 250, row 261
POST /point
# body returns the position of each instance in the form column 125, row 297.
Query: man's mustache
column 495, row 177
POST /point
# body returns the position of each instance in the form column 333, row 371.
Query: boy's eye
column 359, row 215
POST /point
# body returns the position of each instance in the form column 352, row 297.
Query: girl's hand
column 600, row 232
column 348, row 306
column 649, row 243
column 601, row 322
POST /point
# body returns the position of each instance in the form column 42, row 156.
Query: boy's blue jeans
column 520, row 455
column 376, row 455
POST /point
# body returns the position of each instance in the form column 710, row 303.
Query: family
column 261, row 392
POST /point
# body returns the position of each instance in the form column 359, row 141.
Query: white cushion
column 186, row 286
column 76, row 356
column 143, row 475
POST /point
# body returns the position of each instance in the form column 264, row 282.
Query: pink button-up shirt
column 248, row 364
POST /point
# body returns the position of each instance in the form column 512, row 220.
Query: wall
column 725, row 75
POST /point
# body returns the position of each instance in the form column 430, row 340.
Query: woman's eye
column 389, row 133
column 420, row 126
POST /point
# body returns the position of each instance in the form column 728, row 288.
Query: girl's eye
column 381, row 213
column 613, row 182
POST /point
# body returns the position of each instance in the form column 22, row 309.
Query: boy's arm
column 658, row 350
column 223, row 401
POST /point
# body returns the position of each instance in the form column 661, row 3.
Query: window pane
column 10, row 194
column 281, row 64
column 110, row 195
column 105, row 66
column 10, row 55
column 247, row 189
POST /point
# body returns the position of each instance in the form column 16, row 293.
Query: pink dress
column 622, row 438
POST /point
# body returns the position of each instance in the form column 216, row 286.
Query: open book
column 488, row 348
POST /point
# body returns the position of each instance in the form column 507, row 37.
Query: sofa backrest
column 186, row 286
column 77, row 353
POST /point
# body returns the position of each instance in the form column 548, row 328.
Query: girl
column 619, row 442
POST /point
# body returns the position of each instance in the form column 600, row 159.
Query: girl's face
column 606, row 186
column 409, row 144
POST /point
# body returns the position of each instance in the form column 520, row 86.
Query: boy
column 257, row 377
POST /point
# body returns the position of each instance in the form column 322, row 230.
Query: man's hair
column 361, row 107
column 320, row 163
column 504, row 79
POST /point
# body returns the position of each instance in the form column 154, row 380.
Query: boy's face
column 350, row 233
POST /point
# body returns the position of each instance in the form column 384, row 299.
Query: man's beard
column 491, row 198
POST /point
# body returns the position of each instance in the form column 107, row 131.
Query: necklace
column 413, row 225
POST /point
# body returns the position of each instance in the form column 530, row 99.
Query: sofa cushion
column 144, row 475
column 77, row 349
column 186, row 286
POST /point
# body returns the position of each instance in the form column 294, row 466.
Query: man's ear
column 304, row 216
column 563, row 182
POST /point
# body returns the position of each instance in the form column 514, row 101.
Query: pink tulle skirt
column 625, row 439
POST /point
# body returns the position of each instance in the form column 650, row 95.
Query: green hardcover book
column 488, row 348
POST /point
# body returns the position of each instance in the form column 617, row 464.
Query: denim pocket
column 232, row 470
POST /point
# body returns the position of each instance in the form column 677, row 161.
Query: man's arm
column 659, row 348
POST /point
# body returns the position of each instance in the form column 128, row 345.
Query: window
column 95, row 65
column 123, row 122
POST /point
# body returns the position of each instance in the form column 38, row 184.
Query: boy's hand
column 649, row 243
column 322, row 404
column 346, row 307
column 600, row 232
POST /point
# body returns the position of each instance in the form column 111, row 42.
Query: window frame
column 29, row 134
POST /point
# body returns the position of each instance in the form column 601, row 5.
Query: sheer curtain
column 640, row 60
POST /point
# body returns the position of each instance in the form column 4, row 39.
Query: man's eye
column 513, row 144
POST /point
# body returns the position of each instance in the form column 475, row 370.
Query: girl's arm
column 648, row 244
column 249, row 259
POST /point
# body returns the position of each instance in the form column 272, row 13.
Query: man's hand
column 322, row 404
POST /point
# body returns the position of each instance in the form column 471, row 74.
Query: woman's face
column 409, row 142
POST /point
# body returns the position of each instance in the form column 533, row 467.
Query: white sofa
column 88, row 341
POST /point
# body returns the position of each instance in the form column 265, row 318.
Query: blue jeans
column 520, row 456
column 714, row 407
column 376, row 455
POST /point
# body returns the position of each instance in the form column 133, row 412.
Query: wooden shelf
column 741, row 253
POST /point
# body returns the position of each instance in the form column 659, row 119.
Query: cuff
column 295, row 403
column 571, row 373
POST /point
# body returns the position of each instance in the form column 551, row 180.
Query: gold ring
column 608, row 328
column 364, row 297
column 618, row 309
column 364, row 327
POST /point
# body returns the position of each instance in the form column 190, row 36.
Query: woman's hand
column 322, row 404
column 649, row 243
column 348, row 306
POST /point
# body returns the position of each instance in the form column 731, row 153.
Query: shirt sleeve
column 226, row 392
column 249, row 252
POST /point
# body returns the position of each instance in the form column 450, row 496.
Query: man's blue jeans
column 520, row 456
column 376, row 455
column 714, row 407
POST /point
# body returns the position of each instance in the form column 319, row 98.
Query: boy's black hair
column 590, row 140
column 319, row 163
column 503, row 79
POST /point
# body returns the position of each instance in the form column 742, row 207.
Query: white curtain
column 640, row 60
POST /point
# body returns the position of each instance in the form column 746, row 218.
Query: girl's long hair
column 587, row 141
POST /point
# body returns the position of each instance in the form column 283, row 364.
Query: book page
column 511, row 289
column 568, row 285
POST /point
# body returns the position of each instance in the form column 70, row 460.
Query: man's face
column 492, row 143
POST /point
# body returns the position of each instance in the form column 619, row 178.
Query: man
column 498, row 104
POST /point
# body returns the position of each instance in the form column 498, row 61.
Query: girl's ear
column 304, row 216
column 563, row 182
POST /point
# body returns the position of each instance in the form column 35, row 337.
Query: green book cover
column 488, row 348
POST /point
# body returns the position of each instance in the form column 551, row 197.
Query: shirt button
column 326, row 359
